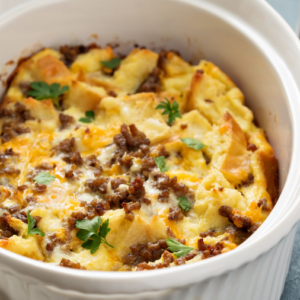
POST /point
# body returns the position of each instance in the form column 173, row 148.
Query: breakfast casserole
column 132, row 163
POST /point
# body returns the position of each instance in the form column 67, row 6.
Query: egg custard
column 128, row 164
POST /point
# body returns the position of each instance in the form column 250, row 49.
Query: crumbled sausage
column 149, row 252
column 212, row 250
column 74, row 158
column 163, row 196
column 98, row 184
column 254, row 227
column 39, row 188
column 146, row 201
column 9, row 152
column 242, row 221
column 175, row 214
column 238, row 235
column 263, row 203
column 201, row 245
column 112, row 94
column 238, row 220
column 129, row 207
column 249, row 181
column 31, row 199
column 170, row 232
column 144, row 266
column 45, row 166
column 25, row 88
column 179, row 261
column 116, row 182
column 131, row 142
column 69, row 264
column 190, row 255
column 7, row 230
column 92, row 161
column 226, row 211
column 21, row 216
column 14, row 208
column 116, row 198
column 66, row 146
column 158, row 150
column 148, row 165
column 69, row 174
column 22, row 188
column 168, row 257
column 251, row 147
column 136, row 190
column 71, row 52
column 152, row 82
column 53, row 242
column 66, row 120
column 210, row 232
column 10, row 171
column 12, row 128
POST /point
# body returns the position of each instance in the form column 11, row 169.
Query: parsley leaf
column 44, row 177
column 177, row 248
column 90, row 114
column 161, row 163
column 112, row 64
column 41, row 90
column 89, row 117
column 192, row 143
column 91, row 235
column 184, row 203
column 169, row 109
column 104, row 231
column 31, row 224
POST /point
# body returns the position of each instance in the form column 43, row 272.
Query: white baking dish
column 258, row 50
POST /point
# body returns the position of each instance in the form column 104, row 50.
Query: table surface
column 290, row 10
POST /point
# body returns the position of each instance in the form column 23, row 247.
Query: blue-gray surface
column 289, row 9
column 292, row 285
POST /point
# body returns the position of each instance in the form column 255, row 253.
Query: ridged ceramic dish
column 258, row 50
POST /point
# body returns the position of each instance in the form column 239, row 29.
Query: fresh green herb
column 31, row 224
column 89, row 117
column 177, row 248
column 44, row 177
column 184, row 203
column 192, row 143
column 41, row 90
column 91, row 234
column 161, row 163
column 169, row 109
column 112, row 64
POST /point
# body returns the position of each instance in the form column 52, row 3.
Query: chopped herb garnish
column 111, row 64
column 177, row 248
column 31, row 224
column 192, row 143
column 169, row 109
column 161, row 163
column 89, row 117
column 41, row 90
column 91, row 234
column 44, row 177
column 184, row 203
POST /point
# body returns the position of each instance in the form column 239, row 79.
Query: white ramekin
column 258, row 50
